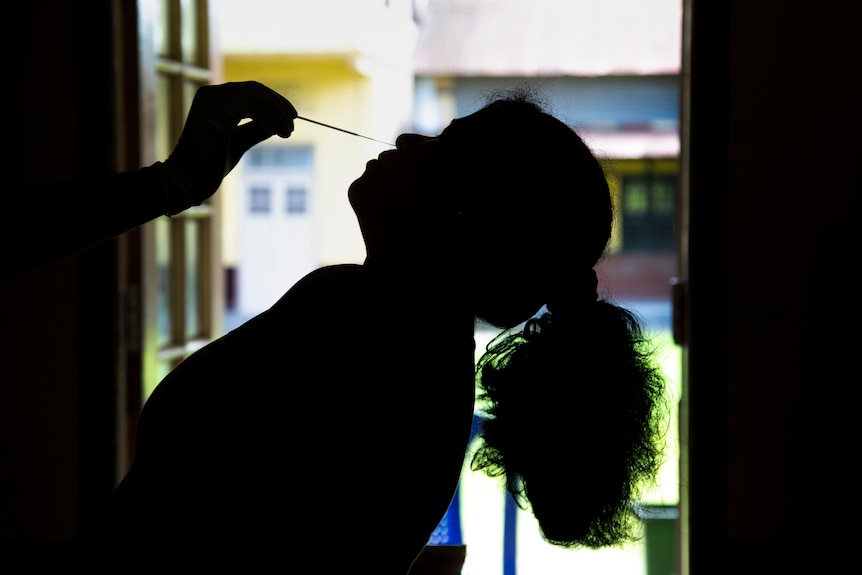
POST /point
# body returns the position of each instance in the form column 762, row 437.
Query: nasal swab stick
column 343, row 130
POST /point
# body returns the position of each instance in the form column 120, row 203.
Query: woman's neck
column 426, row 287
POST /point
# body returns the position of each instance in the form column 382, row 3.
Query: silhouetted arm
column 47, row 222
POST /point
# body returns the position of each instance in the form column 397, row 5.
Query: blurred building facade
column 610, row 70
column 347, row 63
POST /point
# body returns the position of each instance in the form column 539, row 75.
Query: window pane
column 193, row 277
column 259, row 200
column 161, row 29
column 280, row 157
column 297, row 200
column 163, row 368
column 649, row 212
column 189, row 26
column 663, row 197
column 189, row 89
column 163, row 278
column 636, row 201
column 162, row 107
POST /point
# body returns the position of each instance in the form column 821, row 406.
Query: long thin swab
column 343, row 130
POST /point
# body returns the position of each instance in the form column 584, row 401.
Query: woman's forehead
column 455, row 126
column 480, row 125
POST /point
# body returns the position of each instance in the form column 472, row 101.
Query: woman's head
column 511, row 188
column 536, row 203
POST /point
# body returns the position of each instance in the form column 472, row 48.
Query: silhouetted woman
column 334, row 426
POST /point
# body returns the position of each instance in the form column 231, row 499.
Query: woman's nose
column 409, row 140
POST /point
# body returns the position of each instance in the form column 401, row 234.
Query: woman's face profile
column 392, row 170
column 403, row 191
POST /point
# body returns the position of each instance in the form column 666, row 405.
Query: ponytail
column 575, row 417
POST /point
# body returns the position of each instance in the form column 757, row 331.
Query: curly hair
column 575, row 408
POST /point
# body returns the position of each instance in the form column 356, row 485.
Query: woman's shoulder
column 341, row 276
column 326, row 305
column 346, row 289
column 333, row 279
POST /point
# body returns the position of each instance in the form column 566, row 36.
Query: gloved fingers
column 241, row 139
column 226, row 105
column 215, row 136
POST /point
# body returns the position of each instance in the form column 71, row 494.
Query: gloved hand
column 213, row 141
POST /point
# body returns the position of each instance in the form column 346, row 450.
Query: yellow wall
column 360, row 95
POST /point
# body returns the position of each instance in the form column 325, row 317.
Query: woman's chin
column 354, row 191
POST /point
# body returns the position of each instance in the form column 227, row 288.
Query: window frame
column 160, row 119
